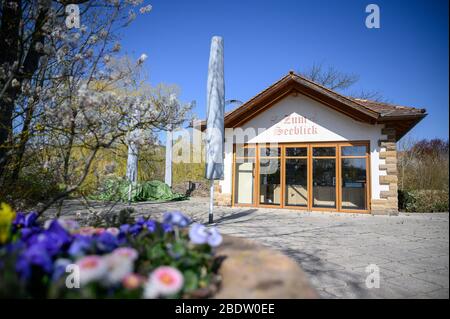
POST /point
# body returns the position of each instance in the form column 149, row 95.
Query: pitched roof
column 403, row 118
column 387, row 109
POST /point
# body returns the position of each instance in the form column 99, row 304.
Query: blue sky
column 407, row 59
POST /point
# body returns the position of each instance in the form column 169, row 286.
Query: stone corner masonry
column 388, row 202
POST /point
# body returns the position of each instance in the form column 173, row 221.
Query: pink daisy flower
column 92, row 268
column 118, row 268
column 132, row 281
column 126, row 252
column 163, row 281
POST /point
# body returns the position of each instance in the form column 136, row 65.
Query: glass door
column 269, row 176
column 354, row 162
column 324, row 190
column 296, row 176
column 244, row 175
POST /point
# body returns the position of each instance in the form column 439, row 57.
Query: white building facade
column 298, row 145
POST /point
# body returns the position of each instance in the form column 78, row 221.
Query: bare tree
column 336, row 80
column 329, row 77
column 406, row 158
column 423, row 165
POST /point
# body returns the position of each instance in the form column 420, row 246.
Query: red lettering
column 287, row 120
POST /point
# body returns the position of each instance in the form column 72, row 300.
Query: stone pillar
column 221, row 199
column 388, row 202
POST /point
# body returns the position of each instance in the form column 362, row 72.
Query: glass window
column 244, row 159
column 324, row 183
column 269, row 181
column 296, row 151
column 247, row 151
column 296, row 193
column 354, row 183
column 324, row 151
column 270, row 151
column 353, row 150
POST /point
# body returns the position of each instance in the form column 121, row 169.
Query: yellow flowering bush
column 7, row 215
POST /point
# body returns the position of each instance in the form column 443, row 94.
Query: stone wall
column 252, row 271
column 221, row 199
column 388, row 202
column 192, row 188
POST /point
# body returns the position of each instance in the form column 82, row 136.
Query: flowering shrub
column 144, row 259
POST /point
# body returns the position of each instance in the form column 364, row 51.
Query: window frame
column 308, row 145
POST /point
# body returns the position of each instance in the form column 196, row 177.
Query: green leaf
column 156, row 252
column 190, row 280
column 179, row 249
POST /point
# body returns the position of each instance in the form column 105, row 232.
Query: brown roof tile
column 388, row 110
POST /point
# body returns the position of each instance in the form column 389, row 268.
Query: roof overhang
column 402, row 124
column 295, row 84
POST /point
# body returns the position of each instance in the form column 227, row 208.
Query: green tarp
column 118, row 189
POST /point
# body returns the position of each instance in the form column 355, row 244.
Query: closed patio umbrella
column 215, row 101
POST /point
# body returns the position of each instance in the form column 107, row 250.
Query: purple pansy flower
column 214, row 238
column 29, row 232
column 35, row 255
column 23, row 220
column 124, row 228
column 167, row 227
column 51, row 242
column 59, row 268
column 150, row 225
column 176, row 218
column 56, row 229
column 80, row 246
column 107, row 242
column 199, row 234
column 55, row 238
column 140, row 221
column 135, row 229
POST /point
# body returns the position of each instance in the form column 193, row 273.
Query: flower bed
column 144, row 259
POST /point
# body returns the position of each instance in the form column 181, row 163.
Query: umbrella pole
column 211, row 202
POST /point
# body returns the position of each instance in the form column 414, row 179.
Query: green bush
column 423, row 201
column 32, row 186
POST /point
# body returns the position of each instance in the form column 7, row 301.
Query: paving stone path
column 411, row 251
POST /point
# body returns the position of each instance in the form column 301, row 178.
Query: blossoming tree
column 64, row 87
